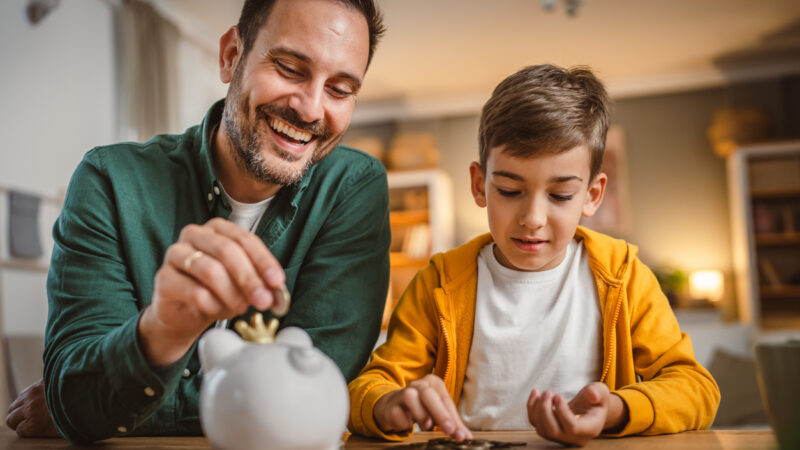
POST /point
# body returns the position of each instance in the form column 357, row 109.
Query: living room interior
column 704, row 146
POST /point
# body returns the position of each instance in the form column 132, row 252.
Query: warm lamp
column 706, row 284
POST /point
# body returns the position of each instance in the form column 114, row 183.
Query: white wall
column 57, row 101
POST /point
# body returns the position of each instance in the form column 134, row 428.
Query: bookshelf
column 764, row 190
column 421, row 218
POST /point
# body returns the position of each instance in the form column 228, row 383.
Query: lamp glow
column 706, row 284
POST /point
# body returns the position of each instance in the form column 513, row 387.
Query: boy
column 499, row 333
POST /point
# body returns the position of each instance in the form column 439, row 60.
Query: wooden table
column 700, row 440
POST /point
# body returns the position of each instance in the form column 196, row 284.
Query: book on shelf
column 770, row 274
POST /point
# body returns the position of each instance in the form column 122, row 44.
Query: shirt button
column 187, row 373
column 210, row 196
column 122, row 429
column 148, row 391
column 216, row 190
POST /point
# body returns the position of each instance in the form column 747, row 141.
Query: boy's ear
column 595, row 196
column 478, row 184
column 230, row 50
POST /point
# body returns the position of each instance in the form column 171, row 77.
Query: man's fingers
column 198, row 298
column 14, row 418
column 264, row 261
column 230, row 253
column 209, row 273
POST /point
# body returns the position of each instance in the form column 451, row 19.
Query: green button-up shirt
column 126, row 204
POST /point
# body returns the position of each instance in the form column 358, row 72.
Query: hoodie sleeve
column 675, row 393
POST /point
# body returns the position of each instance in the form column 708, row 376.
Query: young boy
column 541, row 323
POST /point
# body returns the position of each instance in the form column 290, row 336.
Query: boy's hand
column 593, row 410
column 424, row 401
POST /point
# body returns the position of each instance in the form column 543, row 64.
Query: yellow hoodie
column 431, row 332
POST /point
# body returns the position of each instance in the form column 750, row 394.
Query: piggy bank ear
column 216, row 345
column 294, row 336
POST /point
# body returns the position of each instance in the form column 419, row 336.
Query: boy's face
column 534, row 204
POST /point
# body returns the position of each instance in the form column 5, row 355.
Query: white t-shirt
column 247, row 215
column 532, row 330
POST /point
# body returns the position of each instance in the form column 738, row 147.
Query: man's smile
column 288, row 132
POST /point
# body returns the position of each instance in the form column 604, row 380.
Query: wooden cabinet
column 764, row 189
column 421, row 216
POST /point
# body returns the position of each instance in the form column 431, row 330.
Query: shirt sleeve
column 97, row 381
column 341, row 288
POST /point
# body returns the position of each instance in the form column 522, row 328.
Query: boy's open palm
column 425, row 402
column 591, row 411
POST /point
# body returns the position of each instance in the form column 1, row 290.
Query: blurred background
column 703, row 155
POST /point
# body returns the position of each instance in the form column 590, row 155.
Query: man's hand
column 425, row 402
column 28, row 414
column 215, row 271
column 593, row 410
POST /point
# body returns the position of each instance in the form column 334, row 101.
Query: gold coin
column 282, row 301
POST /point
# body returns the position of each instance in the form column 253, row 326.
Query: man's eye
column 561, row 198
column 286, row 69
column 506, row 193
column 339, row 92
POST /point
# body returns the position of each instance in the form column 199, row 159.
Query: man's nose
column 308, row 102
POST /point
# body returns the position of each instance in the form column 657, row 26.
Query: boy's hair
column 546, row 108
column 255, row 13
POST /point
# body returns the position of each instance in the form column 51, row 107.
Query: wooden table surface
column 705, row 440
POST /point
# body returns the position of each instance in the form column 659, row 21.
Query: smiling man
column 158, row 241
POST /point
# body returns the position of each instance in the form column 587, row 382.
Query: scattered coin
column 467, row 444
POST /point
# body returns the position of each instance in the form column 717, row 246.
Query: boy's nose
column 534, row 216
column 307, row 101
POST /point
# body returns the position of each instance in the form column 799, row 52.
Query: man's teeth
column 283, row 127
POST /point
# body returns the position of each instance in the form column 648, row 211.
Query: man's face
column 535, row 204
column 292, row 97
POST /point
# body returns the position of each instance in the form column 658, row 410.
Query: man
column 144, row 260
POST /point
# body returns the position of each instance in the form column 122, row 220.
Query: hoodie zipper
column 447, row 364
column 612, row 341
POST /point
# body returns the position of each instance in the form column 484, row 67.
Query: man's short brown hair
column 255, row 13
column 546, row 108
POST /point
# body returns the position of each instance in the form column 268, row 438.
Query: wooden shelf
column 410, row 217
column 399, row 259
column 775, row 194
column 24, row 264
column 770, row 239
column 785, row 291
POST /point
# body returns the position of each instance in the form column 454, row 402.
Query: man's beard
column 247, row 141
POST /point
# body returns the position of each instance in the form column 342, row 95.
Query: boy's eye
column 561, row 198
column 506, row 193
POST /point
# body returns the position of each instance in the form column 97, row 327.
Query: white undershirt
column 247, row 215
column 532, row 330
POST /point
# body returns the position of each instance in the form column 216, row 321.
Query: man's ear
column 595, row 196
column 230, row 50
column 478, row 184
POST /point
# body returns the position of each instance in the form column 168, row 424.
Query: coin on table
column 282, row 301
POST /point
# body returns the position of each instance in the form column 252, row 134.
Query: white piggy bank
column 283, row 395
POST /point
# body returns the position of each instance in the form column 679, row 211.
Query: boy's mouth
column 530, row 244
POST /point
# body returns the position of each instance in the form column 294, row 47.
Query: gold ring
column 187, row 263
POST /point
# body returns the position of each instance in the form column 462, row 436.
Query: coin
column 282, row 301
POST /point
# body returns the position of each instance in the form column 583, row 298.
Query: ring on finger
column 187, row 263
